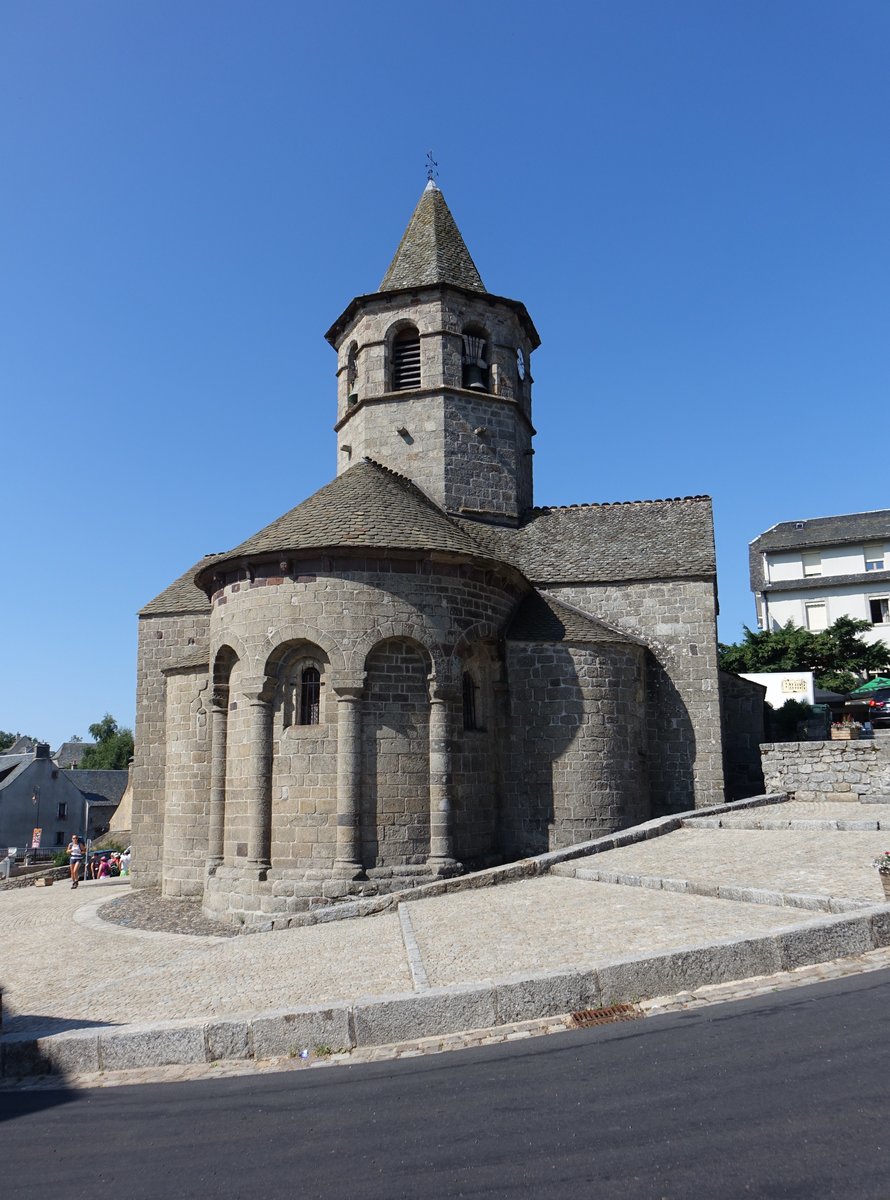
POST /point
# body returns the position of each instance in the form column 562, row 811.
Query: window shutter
column 406, row 364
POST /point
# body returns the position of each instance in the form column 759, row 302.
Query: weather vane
column 431, row 166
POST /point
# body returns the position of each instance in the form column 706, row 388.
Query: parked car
column 874, row 707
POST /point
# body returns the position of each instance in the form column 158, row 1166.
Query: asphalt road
column 783, row 1096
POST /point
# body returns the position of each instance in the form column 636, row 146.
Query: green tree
column 113, row 749
column 837, row 656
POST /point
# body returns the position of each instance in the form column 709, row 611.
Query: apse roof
column 368, row 506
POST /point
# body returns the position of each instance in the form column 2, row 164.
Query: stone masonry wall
column 577, row 765
column 742, row 710
column 677, row 619
column 187, row 790
column 395, row 810
column 827, row 770
column 429, row 433
column 162, row 640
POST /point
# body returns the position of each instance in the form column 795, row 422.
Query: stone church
column 417, row 671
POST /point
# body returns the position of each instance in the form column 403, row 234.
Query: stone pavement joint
column 415, row 961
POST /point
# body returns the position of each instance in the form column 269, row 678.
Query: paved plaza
column 64, row 968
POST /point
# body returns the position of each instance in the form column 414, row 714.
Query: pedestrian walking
column 75, row 858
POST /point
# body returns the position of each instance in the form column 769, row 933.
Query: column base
column 256, row 870
column 347, row 869
column 444, row 868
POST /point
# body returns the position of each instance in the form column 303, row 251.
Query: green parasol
column 873, row 684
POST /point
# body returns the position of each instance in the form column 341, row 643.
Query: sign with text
column 36, row 835
column 794, row 687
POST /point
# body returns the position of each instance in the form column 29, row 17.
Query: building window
column 816, row 616
column 310, row 696
column 60, row 837
column 874, row 558
column 63, row 812
column 879, row 610
column 812, row 565
column 406, row 360
column 475, row 359
column 469, row 699
column 352, row 375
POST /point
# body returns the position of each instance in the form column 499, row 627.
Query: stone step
column 697, row 887
column 851, row 825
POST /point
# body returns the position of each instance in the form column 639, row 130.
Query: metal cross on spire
column 431, row 165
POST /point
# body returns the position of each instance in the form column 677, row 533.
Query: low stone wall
column 826, row 770
column 23, row 880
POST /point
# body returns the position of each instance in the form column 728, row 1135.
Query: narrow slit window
column 310, row 696
column 469, row 699
column 406, row 361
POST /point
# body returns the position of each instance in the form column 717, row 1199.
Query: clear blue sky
column 692, row 198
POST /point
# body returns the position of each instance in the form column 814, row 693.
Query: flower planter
column 884, row 876
column 844, row 733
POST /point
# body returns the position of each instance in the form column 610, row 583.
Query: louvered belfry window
column 310, row 695
column 406, row 361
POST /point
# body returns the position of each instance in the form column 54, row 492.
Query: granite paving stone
column 815, row 862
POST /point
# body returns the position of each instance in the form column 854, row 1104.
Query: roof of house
column 368, row 507
column 601, row 543
column 826, row 531
column 540, row 618
column 432, row 249
column 814, row 533
column 100, row 787
column 70, row 753
column 821, row 583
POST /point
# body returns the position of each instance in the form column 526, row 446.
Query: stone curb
column 524, row 868
column 841, row 825
column 381, row 1020
column 719, row 891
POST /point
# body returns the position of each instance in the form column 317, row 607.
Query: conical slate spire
column 432, row 249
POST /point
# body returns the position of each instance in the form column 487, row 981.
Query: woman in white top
column 75, row 854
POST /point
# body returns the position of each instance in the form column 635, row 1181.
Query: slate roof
column 823, row 583
column 819, row 531
column 826, row 531
column 603, row 543
column 432, row 249
column 195, row 657
column 369, row 507
column 540, row 618
column 100, row 787
column 183, row 595
column 70, row 752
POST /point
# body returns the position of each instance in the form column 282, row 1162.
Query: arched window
column 469, row 699
column 475, row 373
column 406, row 360
column 310, row 696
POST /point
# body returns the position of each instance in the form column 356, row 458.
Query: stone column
column 259, row 784
column 441, row 860
column 347, row 863
column 219, row 723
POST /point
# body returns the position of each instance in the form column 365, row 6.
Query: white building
column 812, row 572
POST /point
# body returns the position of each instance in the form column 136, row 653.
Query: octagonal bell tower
column 433, row 375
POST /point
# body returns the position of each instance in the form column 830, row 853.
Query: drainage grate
column 605, row 1016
